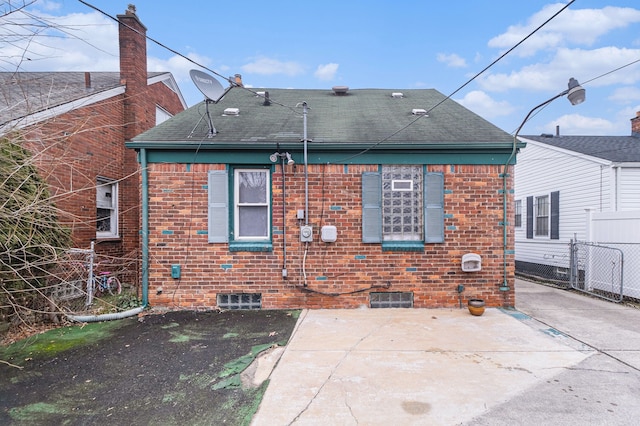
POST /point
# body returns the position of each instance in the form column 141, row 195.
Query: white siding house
column 559, row 182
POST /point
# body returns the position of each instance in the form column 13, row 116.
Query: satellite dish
column 209, row 86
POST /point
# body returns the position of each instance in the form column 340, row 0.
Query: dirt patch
column 170, row 369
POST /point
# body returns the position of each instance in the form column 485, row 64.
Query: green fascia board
column 322, row 154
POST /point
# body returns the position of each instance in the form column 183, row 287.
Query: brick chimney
column 133, row 73
column 635, row 125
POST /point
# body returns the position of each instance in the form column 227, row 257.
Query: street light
column 576, row 95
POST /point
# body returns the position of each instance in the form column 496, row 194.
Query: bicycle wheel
column 114, row 286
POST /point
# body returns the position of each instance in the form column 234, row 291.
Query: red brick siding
column 178, row 217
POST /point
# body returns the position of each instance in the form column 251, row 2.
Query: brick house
column 338, row 198
column 76, row 125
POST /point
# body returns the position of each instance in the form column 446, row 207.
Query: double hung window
column 106, row 208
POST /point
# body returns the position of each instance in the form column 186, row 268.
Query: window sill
column 402, row 246
column 251, row 246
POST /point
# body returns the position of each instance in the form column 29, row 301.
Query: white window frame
column 538, row 215
column 237, row 205
column 107, row 189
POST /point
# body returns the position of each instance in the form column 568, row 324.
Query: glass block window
column 402, row 210
column 240, row 301
column 391, row 300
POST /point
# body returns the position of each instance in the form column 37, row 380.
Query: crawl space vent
column 240, row 301
column 391, row 300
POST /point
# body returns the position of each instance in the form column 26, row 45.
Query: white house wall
column 583, row 182
column 628, row 179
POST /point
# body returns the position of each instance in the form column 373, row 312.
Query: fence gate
column 597, row 269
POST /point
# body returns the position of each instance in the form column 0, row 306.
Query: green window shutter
column 371, row 207
column 434, row 208
column 218, row 181
column 555, row 215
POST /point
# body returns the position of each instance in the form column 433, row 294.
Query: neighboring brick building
column 76, row 125
column 394, row 200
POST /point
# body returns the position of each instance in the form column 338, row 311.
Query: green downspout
column 145, row 228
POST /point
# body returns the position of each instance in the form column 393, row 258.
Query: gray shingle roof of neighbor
column 360, row 116
column 25, row 93
column 612, row 148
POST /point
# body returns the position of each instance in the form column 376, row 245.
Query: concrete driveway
column 561, row 358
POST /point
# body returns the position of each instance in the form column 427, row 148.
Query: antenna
column 212, row 90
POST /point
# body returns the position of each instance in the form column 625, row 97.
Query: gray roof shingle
column 26, row 93
column 612, row 148
column 361, row 116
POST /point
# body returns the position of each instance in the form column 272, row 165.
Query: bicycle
column 105, row 282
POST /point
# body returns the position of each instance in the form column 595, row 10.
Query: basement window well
column 391, row 300
column 240, row 301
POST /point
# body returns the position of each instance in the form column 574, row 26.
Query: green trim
column 413, row 156
column 403, row 246
column 255, row 246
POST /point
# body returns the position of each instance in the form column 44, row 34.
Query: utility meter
column 306, row 233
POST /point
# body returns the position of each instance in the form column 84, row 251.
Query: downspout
column 145, row 257
column 284, row 223
column 306, row 165
column 145, row 227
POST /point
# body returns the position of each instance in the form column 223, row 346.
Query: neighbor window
column 402, row 207
column 240, row 208
column 106, row 208
column 518, row 213
column 542, row 216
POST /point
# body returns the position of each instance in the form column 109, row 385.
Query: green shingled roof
column 362, row 116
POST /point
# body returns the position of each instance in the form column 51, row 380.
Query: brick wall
column 340, row 274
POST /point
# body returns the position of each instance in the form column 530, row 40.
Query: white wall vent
column 232, row 111
column 397, row 95
column 419, row 111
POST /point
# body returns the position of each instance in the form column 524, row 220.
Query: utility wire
column 465, row 84
column 230, row 80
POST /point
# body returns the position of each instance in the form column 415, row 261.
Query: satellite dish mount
column 212, row 91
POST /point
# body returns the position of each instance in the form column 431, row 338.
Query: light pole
column 576, row 95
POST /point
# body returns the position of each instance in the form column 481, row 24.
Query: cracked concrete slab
column 405, row 366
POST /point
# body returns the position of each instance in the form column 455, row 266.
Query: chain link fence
column 67, row 285
column 609, row 270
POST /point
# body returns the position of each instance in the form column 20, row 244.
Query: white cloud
column 452, row 60
column 625, row 95
column 483, row 105
column 268, row 66
column 579, row 26
column 75, row 42
column 576, row 124
column 566, row 63
column 326, row 72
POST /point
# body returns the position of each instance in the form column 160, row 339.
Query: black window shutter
column 529, row 217
column 555, row 215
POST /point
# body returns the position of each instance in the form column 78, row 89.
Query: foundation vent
column 391, row 300
column 240, row 301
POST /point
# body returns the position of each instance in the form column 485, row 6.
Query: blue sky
column 371, row 44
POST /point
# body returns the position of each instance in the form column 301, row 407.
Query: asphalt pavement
column 559, row 358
